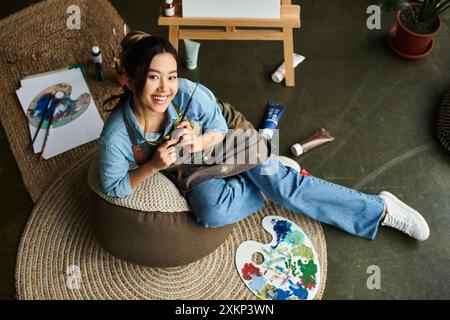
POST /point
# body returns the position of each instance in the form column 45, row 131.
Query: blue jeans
column 220, row 201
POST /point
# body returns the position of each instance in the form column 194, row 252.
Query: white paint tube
column 280, row 73
column 192, row 49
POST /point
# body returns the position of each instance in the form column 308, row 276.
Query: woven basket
column 443, row 127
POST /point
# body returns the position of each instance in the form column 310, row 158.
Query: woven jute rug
column 37, row 40
column 58, row 257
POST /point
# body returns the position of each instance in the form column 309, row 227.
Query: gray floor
column 382, row 111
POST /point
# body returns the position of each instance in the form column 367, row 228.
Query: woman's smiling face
column 162, row 83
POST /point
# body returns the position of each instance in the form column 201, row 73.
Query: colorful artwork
column 290, row 268
column 64, row 110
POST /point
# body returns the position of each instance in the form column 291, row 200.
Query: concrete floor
column 381, row 109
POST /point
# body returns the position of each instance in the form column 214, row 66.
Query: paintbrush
column 189, row 102
column 58, row 96
column 50, row 123
column 41, row 122
column 183, row 115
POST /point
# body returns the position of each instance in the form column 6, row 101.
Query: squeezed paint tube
column 192, row 48
column 280, row 73
column 274, row 113
column 316, row 140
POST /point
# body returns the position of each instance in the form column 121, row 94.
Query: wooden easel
column 289, row 19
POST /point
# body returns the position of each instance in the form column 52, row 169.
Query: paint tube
column 316, row 140
column 305, row 172
column 274, row 113
column 192, row 48
column 280, row 73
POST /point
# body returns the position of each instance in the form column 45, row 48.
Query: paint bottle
column 169, row 8
column 98, row 60
column 316, row 140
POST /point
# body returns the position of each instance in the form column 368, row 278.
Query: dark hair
column 135, row 60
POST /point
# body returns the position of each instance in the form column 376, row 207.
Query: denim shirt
column 115, row 146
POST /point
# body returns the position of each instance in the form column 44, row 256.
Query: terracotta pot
column 410, row 43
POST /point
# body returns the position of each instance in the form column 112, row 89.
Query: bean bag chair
column 152, row 227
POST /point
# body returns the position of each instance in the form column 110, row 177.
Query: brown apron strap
column 131, row 134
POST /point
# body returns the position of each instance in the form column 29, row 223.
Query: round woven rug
column 58, row 257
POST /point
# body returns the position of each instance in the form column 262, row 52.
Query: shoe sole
column 415, row 213
column 288, row 162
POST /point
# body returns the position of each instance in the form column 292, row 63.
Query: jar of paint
column 169, row 8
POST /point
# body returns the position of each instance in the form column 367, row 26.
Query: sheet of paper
column 75, row 120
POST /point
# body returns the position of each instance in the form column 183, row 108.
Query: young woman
column 150, row 105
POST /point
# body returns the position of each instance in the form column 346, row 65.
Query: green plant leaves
column 394, row 5
column 429, row 10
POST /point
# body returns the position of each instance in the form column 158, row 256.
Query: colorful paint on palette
column 64, row 110
column 290, row 269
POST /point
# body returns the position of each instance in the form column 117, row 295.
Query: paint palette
column 65, row 109
column 289, row 269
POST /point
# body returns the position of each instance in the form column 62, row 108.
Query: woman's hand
column 187, row 138
column 164, row 156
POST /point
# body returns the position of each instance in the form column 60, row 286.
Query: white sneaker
column 404, row 218
column 290, row 163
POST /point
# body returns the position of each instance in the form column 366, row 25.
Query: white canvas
column 262, row 9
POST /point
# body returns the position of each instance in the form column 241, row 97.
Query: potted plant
column 417, row 23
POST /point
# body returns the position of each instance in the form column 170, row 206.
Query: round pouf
column 152, row 227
